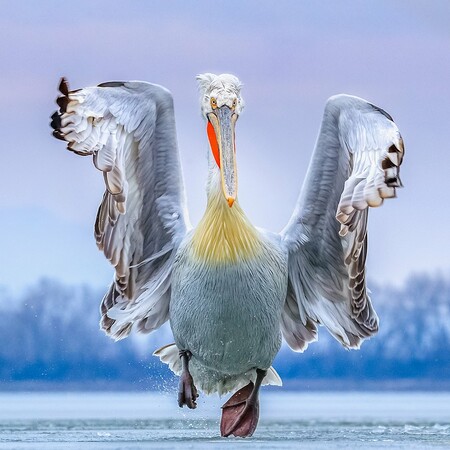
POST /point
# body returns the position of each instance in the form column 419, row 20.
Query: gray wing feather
column 129, row 128
column 355, row 165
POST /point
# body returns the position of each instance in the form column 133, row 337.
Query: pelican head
column 221, row 104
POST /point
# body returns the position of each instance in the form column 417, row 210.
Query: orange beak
column 220, row 129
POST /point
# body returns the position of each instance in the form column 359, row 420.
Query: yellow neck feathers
column 225, row 235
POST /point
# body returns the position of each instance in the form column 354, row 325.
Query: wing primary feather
column 64, row 86
column 112, row 84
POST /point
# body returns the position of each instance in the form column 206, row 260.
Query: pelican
column 231, row 291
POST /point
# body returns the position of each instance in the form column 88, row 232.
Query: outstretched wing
column 129, row 129
column 355, row 165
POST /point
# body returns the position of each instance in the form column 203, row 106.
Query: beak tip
column 230, row 201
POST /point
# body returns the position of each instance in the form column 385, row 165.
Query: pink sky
column 290, row 55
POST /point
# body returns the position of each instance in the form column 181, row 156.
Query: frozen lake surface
column 137, row 421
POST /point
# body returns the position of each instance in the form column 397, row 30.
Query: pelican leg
column 187, row 392
column 240, row 413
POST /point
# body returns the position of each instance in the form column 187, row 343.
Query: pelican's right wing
column 129, row 129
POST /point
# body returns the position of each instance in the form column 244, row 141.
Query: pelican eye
column 213, row 102
column 234, row 103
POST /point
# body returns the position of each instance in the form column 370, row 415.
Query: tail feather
column 272, row 378
column 169, row 354
column 210, row 381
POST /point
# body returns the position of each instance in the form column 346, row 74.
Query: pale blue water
column 137, row 421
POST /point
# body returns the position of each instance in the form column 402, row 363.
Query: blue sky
column 290, row 55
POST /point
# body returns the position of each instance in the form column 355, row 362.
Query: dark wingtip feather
column 58, row 135
column 387, row 164
column 112, row 84
column 382, row 111
column 62, row 102
column 394, row 182
column 64, row 86
column 56, row 121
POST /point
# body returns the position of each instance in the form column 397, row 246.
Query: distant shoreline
column 394, row 385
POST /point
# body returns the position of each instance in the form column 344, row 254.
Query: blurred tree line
column 50, row 334
column 413, row 342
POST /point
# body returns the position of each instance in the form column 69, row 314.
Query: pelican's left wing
column 355, row 165
column 129, row 129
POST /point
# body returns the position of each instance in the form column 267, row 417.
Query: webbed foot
column 240, row 414
column 187, row 392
